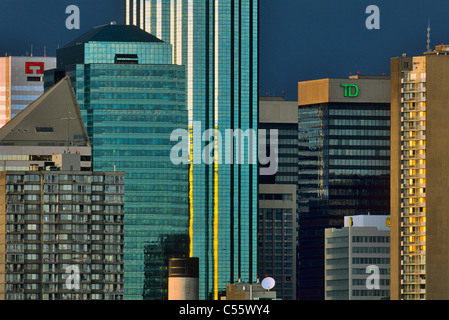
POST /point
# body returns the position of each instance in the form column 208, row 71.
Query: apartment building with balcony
column 419, row 187
column 59, row 229
column 61, row 224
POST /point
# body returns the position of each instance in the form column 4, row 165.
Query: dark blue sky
column 299, row 39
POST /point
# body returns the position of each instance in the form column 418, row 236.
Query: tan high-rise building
column 420, row 176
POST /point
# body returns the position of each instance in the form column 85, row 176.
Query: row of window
column 27, row 88
column 77, row 228
column 21, row 257
column 340, row 132
column 24, row 97
column 362, row 122
column 368, row 260
column 52, row 237
column 275, row 196
column 359, row 112
column 280, row 258
column 360, row 142
column 270, row 251
column 55, row 188
column 52, row 198
column 359, row 152
column 51, row 248
column 359, row 162
column 370, row 250
column 63, row 296
column 54, row 178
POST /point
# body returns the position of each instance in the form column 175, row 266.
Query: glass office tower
column 343, row 164
column 217, row 41
column 131, row 98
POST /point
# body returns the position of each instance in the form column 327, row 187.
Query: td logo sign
column 351, row 90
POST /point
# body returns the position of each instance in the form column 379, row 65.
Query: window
column 44, row 129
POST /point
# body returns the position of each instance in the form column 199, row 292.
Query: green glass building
column 217, row 41
column 131, row 98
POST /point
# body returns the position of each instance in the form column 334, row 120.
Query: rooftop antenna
column 68, row 131
column 428, row 35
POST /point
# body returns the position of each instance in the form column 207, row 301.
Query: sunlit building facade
column 21, row 82
column 217, row 41
column 419, row 207
column 131, row 98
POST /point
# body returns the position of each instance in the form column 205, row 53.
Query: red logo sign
column 34, row 67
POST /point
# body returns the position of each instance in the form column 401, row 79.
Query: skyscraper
column 21, row 82
column 131, row 98
column 343, row 163
column 217, row 41
column 419, row 171
column 277, row 199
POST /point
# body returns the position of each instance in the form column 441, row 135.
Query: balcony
column 416, row 156
column 417, row 108
column 410, row 127
column 416, row 80
column 415, row 118
column 412, row 176
column 416, row 233
column 406, row 223
column 406, row 165
column 413, row 262
column 413, row 89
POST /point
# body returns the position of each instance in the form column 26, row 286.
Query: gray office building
column 357, row 259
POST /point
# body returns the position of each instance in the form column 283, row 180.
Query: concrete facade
column 21, row 82
column 419, row 185
column 248, row 291
column 325, row 90
column 277, row 199
column 357, row 259
column 53, row 220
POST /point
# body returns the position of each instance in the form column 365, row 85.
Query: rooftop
column 115, row 33
column 54, row 119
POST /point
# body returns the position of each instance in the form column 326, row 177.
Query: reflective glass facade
column 132, row 98
column 217, row 41
column 343, row 169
